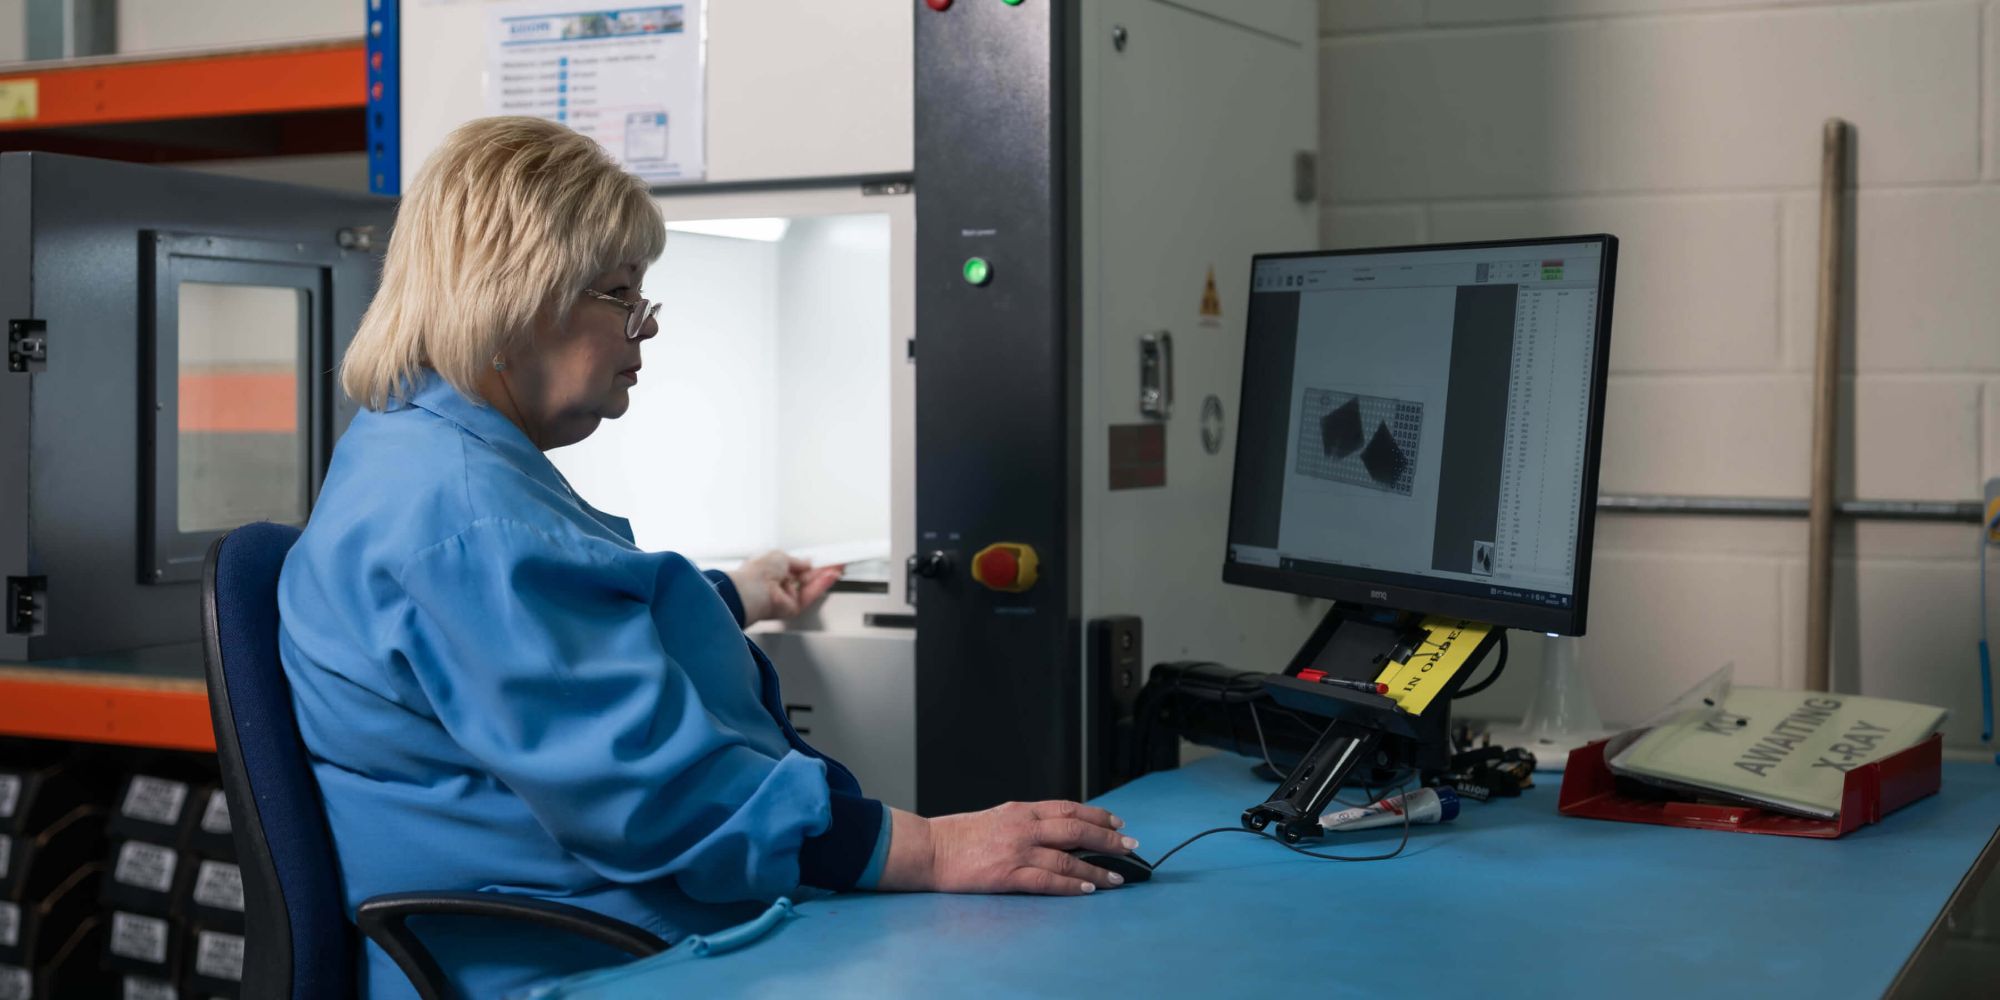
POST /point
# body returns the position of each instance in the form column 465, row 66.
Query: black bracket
column 25, row 612
column 1296, row 806
column 27, row 345
column 1365, row 729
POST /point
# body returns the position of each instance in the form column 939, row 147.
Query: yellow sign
column 18, row 100
column 1211, row 303
column 1415, row 683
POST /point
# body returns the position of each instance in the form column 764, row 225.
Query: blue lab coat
column 499, row 691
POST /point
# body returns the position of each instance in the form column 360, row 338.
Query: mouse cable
column 1400, row 844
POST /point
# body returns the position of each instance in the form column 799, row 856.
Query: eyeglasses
column 636, row 313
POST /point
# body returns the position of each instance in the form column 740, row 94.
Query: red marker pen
column 1320, row 677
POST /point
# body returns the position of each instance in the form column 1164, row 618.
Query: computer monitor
column 1420, row 428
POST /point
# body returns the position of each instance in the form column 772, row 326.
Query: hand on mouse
column 1017, row 847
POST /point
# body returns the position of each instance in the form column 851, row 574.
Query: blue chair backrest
column 298, row 940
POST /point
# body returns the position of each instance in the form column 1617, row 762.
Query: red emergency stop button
column 1006, row 566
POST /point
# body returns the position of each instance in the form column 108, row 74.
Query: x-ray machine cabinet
column 1114, row 165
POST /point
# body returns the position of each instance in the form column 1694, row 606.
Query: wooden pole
column 1835, row 144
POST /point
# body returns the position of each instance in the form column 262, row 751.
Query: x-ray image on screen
column 1419, row 427
column 1360, row 440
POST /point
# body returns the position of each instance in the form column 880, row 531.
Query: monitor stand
column 1368, row 736
column 1562, row 717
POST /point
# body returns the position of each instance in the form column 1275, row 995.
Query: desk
column 1511, row 899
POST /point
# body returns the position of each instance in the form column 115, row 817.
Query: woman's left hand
column 775, row 585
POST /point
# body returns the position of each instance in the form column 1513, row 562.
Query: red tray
column 1873, row 791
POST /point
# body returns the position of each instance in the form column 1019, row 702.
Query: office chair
column 298, row 942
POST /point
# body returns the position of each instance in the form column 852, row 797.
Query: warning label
column 19, row 100
column 1211, row 301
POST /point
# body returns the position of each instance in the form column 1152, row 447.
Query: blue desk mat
column 1509, row 900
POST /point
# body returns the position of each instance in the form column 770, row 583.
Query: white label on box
column 10, row 794
column 215, row 819
column 219, row 884
column 6, row 853
column 155, row 800
column 143, row 938
column 148, row 866
column 148, row 988
column 15, row 983
column 219, row 956
column 10, row 924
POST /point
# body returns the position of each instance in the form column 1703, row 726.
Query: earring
column 499, row 365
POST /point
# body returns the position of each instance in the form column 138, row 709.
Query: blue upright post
column 385, row 125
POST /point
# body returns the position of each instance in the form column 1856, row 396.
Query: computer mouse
column 1133, row 867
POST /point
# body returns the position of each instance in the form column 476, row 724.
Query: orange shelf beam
column 89, row 707
column 220, row 85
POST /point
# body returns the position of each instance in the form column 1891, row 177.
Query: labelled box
column 146, row 877
column 154, row 808
column 211, row 835
column 215, row 898
column 136, row 987
column 144, row 944
column 216, row 969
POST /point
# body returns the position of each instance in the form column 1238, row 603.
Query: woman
column 497, row 689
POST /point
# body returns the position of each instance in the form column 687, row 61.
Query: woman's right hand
column 1017, row 847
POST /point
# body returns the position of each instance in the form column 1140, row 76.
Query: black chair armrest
column 384, row 920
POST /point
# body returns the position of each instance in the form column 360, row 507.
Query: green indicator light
column 1011, row 3
column 978, row 271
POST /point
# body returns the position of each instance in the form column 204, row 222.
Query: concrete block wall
column 167, row 25
column 13, row 30
column 1690, row 128
column 162, row 26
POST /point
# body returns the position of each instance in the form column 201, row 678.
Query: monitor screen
column 1420, row 428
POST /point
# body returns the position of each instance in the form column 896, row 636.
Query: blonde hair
column 511, row 216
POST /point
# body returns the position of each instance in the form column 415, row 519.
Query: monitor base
column 1562, row 718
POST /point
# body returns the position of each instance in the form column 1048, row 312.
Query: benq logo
column 1380, row 595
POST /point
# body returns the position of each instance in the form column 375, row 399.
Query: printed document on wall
column 629, row 77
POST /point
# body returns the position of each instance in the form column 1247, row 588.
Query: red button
column 938, row 5
column 997, row 567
